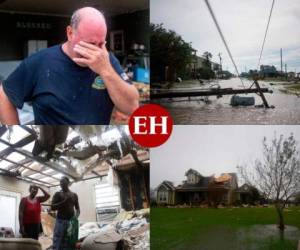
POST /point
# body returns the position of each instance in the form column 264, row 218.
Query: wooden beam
column 11, row 147
column 131, row 192
column 207, row 92
column 27, row 178
column 3, row 129
column 33, row 170
column 145, row 189
column 19, row 163
column 29, row 130
column 261, row 94
column 70, row 173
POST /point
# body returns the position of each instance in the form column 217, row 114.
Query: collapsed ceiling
column 43, row 154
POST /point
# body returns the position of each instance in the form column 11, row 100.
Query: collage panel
column 93, row 92
column 73, row 187
column 226, row 187
column 73, row 62
column 226, row 62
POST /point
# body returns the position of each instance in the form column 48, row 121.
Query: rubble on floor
column 87, row 229
column 46, row 242
column 132, row 227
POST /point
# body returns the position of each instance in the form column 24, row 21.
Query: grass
column 227, row 228
column 294, row 87
column 291, row 89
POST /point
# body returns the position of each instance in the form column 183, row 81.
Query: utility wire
column 223, row 39
column 262, row 48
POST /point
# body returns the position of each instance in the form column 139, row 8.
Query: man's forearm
column 77, row 213
column 46, row 195
column 58, row 205
column 124, row 96
column 8, row 112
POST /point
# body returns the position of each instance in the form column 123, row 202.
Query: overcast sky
column 243, row 23
column 210, row 150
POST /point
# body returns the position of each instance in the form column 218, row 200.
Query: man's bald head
column 87, row 14
column 87, row 24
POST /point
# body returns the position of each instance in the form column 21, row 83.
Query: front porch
column 191, row 197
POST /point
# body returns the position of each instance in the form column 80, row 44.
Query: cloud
column 211, row 149
column 243, row 24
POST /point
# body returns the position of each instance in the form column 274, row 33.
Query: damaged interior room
column 73, row 187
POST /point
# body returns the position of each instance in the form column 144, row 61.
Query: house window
column 34, row 46
column 163, row 196
column 107, row 200
column 191, row 178
column 117, row 41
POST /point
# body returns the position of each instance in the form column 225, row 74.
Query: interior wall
column 86, row 196
column 21, row 188
column 14, row 185
column 18, row 29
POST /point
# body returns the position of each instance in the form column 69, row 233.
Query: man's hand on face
column 97, row 59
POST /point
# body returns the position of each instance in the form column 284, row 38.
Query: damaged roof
column 203, row 183
column 43, row 154
column 223, row 178
column 223, row 181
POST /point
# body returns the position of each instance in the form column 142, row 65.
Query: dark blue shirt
column 61, row 92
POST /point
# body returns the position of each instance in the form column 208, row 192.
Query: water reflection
column 219, row 111
column 256, row 237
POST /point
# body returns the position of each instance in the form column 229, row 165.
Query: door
column 9, row 208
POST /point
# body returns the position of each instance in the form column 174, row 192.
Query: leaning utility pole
column 220, row 63
column 281, row 60
column 285, row 72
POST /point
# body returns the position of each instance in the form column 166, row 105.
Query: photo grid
column 149, row 124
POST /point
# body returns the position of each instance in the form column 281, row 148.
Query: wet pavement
column 219, row 111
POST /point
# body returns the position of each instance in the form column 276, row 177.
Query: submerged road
column 219, row 111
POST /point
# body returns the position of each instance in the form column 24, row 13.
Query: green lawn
column 294, row 87
column 224, row 228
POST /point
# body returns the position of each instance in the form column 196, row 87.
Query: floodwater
column 219, row 111
column 256, row 237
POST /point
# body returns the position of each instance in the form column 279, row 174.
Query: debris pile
column 130, row 227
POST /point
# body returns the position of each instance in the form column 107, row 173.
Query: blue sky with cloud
column 243, row 23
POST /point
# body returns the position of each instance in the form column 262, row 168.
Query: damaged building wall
column 134, row 186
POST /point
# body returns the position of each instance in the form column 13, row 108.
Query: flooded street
column 219, row 111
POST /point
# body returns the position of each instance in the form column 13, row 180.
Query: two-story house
column 197, row 189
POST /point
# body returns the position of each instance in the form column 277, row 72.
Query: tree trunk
column 279, row 210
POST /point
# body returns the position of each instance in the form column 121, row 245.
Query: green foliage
column 168, row 49
column 254, row 195
column 207, row 55
column 206, row 73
